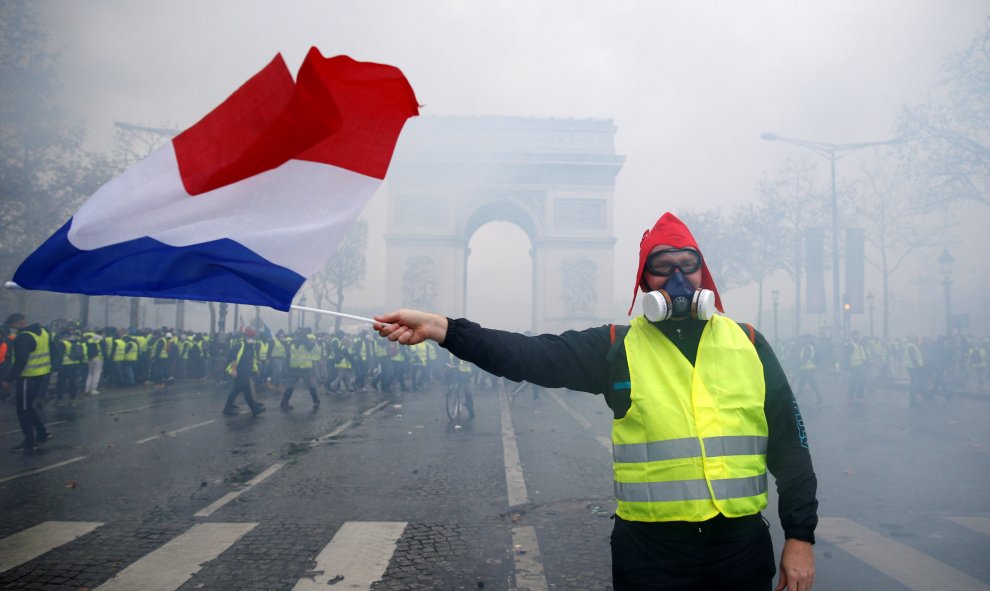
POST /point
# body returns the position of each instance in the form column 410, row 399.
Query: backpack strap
column 751, row 332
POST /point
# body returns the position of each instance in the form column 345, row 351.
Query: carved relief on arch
column 579, row 285
column 419, row 283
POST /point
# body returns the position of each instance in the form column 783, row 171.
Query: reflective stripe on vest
column 39, row 363
column 693, row 442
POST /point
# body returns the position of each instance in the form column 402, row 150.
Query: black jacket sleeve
column 573, row 359
column 788, row 457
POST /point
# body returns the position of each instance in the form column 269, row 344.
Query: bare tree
column 758, row 246
column 895, row 228
column 795, row 199
column 950, row 147
column 44, row 172
column 345, row 269
column 719, row 239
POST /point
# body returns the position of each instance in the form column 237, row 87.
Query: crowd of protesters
column 84, row 361
column 932, row 369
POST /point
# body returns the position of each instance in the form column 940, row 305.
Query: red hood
column 672, row 231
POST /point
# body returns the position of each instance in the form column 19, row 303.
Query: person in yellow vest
column 130, row 361
column 304, row 354
column 856, row 365
column 914, row 361
column 70, row 355
column 702, row 413
column 160, row 372
column 242, row 366
column 277, row 354
column 30, row 372
column 96, row 353
column 808, row 370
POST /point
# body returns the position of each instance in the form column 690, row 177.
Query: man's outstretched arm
column 410, row 327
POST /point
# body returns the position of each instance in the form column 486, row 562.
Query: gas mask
column 678, row 299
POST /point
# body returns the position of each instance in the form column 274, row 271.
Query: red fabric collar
column 672, row 231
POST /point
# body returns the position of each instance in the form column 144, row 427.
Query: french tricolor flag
column 248, row 202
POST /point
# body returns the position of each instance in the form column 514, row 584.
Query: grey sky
column 690, row 85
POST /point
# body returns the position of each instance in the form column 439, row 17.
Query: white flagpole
column 330, row 313
column 12, row 285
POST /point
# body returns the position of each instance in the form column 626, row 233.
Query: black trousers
column 242, row 385
column 26, row 392
column 720, row 554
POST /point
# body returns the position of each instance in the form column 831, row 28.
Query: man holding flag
column 702, row 412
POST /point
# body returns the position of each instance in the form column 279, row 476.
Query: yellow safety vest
column 119, row 347
column 913, row 356
column 66, row 354
column 233, row 364
column 39, row 362
column 131, row 350
column 693, row 442
column 857, row 356
column 302, row 358
column 278, row 349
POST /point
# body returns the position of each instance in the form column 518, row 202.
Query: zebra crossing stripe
column 515, row 484
column 980, row 525
column 217, row 504
column 25, row 545
column 357, row 556
column 168, row 567
column 528, row 563
column 902, row 563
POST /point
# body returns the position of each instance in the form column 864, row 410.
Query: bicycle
column 454, row 399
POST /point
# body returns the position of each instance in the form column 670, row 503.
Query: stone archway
column 553, row 178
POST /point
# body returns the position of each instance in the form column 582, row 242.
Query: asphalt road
column 143, row 489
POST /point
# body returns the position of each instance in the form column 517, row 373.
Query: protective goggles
column 664, row 262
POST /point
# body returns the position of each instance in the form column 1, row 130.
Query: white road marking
column 526, row 556
column 980, row 525
column 134, row 408
column 35, row 541
column 46, row 425
column 515, row 484
column 233, row 495
column 358, row 553
column 601, row 439
column 341, row 428
column 40, row 470
column 168, row 567
column 902, row 563
column 173, row 433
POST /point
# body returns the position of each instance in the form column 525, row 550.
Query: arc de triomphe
column 553, row 178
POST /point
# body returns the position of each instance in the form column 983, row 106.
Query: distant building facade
column 553, row 178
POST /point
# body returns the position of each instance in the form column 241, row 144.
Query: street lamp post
column 945, row 265
column 833, row 152
column 869, row 304
column 775, row 298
